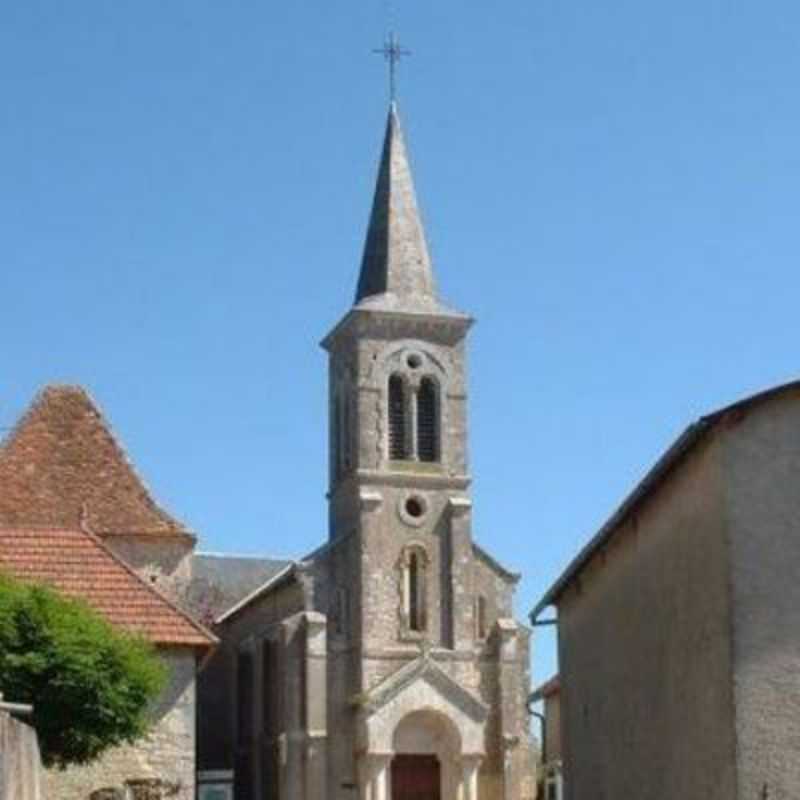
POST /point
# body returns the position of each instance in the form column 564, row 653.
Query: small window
column 480, row 617
column 415, row 589
column 340, row 612
column 347, row 432
column 415, row 507
column 398, row 444
column 336, row 437
column 427, row 421
column 415, row 606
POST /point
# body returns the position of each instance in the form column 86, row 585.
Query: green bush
column 90, row 684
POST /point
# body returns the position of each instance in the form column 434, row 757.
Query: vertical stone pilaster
column 316, row 705
column 461, row 578
column 469, row 777
column 510, row 721
column 375, row 776
column 370, row 503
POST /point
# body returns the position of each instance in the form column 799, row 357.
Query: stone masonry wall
column 163, row 561
column 166, row 753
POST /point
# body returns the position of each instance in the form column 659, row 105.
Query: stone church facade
column 387, row 664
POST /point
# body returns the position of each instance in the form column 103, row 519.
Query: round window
column 414, row 361
column 413, row 509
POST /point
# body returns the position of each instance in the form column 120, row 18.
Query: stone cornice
column 450, row 328
column 413, row 479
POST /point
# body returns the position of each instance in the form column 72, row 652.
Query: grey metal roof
column 221, row 581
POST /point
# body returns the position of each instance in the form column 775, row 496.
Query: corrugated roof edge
column 651, row 481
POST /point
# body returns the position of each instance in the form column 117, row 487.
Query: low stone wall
column 20, row 763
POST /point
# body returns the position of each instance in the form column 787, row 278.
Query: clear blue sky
column 611, row 189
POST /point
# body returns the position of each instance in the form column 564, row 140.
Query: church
column 386, row 664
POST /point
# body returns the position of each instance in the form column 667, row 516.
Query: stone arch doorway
column 426, row 745
column 421, row 711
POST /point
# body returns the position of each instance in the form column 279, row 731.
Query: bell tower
column 399, row 478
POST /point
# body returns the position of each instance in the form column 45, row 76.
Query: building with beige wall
column 677, row 623
column 387, row 664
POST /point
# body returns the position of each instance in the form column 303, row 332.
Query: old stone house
column 678, row 623
column 385, row 665
column 74, row 514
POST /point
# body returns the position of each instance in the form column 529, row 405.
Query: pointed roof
column 396, row 269
column 62, row 466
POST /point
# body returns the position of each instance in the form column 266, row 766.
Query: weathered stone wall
column 166, row 754
column 762, row 472
column 20, row 763
column 163, row 561
column 644, row 651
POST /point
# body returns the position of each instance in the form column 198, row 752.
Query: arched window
column 427, row 421
column 336, row 437
column 415, row 563
column 398, row 440
column 480, row 617
column 347, row 432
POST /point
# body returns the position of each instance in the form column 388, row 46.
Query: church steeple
column 396, row 267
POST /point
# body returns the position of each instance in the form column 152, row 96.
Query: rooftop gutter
column 651, row 480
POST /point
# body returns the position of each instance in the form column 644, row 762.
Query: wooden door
column 416, row 778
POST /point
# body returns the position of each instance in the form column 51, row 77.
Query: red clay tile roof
column 78, row 564
column 62, row 467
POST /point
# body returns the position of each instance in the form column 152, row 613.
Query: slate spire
column 396, row 263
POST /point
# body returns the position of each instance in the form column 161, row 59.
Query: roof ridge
column 219, row 554
column 668, row 460
column 172, row 525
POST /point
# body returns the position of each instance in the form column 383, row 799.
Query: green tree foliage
column 90, row 684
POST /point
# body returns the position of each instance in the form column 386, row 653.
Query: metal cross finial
column 392, row 51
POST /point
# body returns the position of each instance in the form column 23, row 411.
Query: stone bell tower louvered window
column 427, row 421
column 397, row 412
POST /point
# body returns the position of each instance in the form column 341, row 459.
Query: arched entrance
column 420, row 711
column 426, row 745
